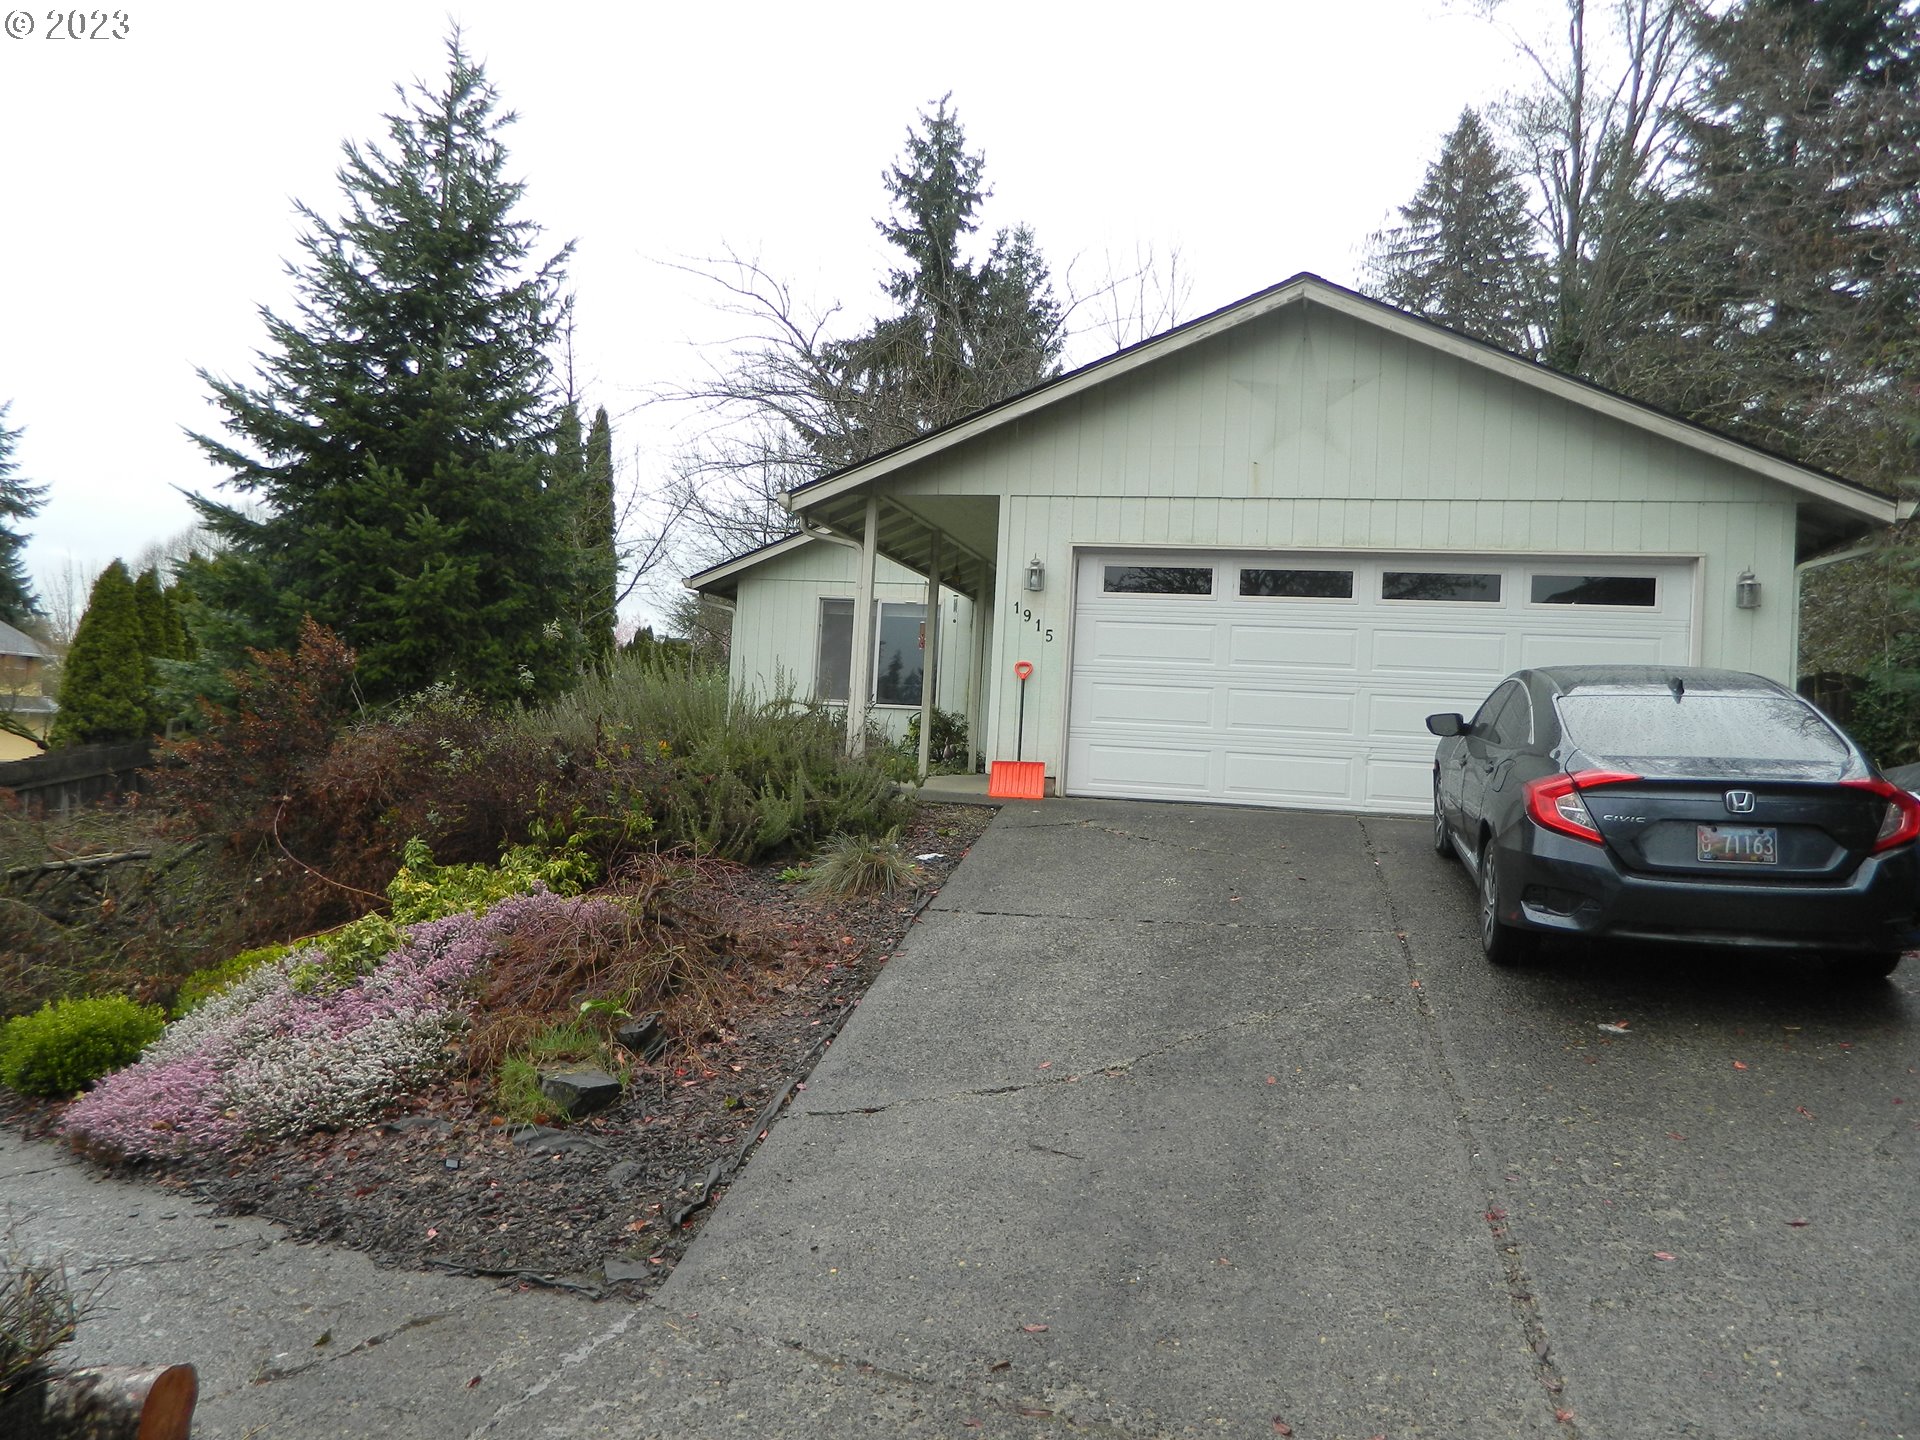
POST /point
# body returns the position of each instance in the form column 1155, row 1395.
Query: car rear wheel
column 1502, row 943
column 1442, row 841
column 1857, row 968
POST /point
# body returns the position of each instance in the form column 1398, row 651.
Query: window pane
column 1159, row 580
column 1298, row 584
column 836, row 651
column 1700, row 728
column 1438, row 585
column 1593, row 590
column 903, row 650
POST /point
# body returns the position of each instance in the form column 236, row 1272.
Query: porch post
column 860, row 670
column 983, row 609
column 930, row 660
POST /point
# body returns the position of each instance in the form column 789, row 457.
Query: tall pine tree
column 966, row 334
column 19, row 502
column 1463, row 253
column 396, row 439
column 599, row 555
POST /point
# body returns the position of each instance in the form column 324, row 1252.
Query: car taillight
column 1901, row 823
column 1553, row 801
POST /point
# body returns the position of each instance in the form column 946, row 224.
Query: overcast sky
column 150, row 180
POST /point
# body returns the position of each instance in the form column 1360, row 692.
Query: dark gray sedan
column 1676, row 804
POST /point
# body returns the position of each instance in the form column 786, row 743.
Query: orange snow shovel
column 1018, row 779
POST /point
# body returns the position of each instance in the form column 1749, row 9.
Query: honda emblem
column 1740, row 802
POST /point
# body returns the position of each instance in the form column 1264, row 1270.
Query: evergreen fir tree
column 1463, row 254
column 105, row 686
column 19, row 502
column 966, row 334
column 397, row 436
column 600, row 560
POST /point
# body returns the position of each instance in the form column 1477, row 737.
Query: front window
column 899, row 652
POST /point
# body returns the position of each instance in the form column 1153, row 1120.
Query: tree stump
column 104, row 1402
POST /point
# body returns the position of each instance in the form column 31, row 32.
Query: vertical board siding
column 1307, row 430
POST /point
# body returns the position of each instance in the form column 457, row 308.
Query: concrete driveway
column 1201, row 1121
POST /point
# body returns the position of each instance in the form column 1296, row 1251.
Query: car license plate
column 1739, row 845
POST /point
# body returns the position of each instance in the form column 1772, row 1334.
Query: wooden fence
column 60, row 780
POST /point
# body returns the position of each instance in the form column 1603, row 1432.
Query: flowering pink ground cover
column 264, row 1059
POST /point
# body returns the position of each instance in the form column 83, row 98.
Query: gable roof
column 723, row 580
column 1848, row 508
column 15, row 642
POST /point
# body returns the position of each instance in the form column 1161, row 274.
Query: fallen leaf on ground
column 1614, row 1029
column 1799, row 1224
column 1280, row 1427
column 1739, row 1064
column 1046, row 1065
column 1000, row 1365
column 1033, row 1414
column 1802, row 1110
column 1565, row 1417
column 1034, row 1329
column 1663, row 1255
column 1494, row 1217
column 473, row 1382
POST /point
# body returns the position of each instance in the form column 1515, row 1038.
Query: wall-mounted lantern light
column 1036, row 574
column 1746, row 591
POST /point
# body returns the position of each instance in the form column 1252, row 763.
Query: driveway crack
column 1507, row 1249
column 413, row 1322
column 1107, row 1070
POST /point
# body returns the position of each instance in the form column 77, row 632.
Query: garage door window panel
column 1297, row 584
column 1451, row 586
column 1635, row 591
column 1158, row 580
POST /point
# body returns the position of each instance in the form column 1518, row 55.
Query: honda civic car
column 1674, row 803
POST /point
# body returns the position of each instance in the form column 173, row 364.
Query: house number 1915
column 1044, row 631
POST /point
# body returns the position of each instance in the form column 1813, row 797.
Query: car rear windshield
column 1725, row 727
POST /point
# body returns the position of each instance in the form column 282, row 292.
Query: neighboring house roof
column 1845, row 507
column 28, row 704
column 15, row 642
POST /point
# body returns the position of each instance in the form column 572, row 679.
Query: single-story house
column 23, row 663
column 1247, row 557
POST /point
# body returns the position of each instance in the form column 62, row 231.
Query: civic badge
column 1740, row 802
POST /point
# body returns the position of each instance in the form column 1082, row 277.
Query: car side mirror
column 1447, row 725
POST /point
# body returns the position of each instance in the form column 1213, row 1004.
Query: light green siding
column 776, row 626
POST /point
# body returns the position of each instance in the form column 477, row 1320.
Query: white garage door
column 1306, row 680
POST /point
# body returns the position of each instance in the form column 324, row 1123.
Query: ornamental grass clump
column 851, row 866
column 267, row 1057
column 68, row 1044
column 38, row 1314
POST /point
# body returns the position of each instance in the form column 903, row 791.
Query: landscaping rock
column 617, row 1270
column 626, row 1172
column 645, row 1036
column 544, row 1140
column 579, row 1092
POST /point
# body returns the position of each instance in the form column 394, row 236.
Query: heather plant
column 68, row 1044
column 266, row 1057
column 203, row 984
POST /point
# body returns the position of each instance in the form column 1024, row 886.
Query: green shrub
column 947, row 755
column 738, row 779
column 67, row 1044
column 849, row 866
column 202, row 985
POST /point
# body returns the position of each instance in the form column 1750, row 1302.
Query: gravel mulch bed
column 610, row 1203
